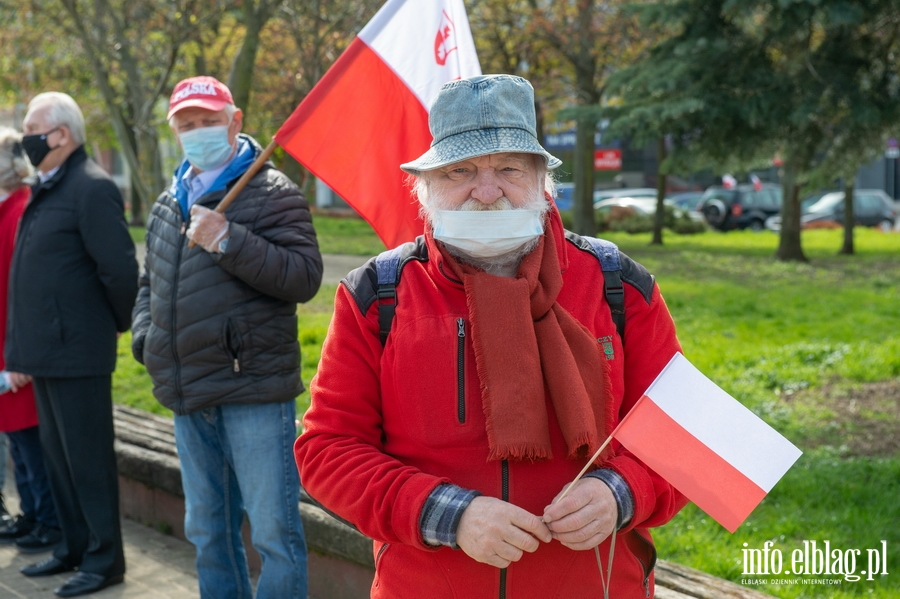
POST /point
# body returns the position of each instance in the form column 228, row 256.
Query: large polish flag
column 705, row 443
column 369, row 113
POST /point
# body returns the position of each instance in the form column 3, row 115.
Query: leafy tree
column 681, row 94
column 592, row 38
column 254, row 16
column 131, row 49
column 738, row 80
column 507, row 42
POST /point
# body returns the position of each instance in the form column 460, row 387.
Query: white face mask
column 487, row 233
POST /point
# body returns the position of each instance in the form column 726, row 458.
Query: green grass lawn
column 813, row 349
column 799, row 344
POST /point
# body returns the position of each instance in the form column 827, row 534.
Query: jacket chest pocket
column 433, row 385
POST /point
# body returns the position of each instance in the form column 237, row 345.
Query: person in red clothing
column 449, row 438
column 37, row 528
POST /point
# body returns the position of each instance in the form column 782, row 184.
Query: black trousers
column 76, row 427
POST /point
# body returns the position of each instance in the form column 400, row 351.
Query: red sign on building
column 607, row 160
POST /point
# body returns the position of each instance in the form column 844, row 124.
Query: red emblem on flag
column 445, row 40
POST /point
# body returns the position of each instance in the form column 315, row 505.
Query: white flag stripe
column 722, row 423
column 413, row 37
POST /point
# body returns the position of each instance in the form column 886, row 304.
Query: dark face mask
column 36, row 146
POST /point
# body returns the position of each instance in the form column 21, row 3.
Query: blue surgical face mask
column 487, row 233
column 206, row 148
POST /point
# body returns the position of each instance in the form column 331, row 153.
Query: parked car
column 636, row 215
column 740, row 207
column 640, row 205
column 624, row 192
column 688, row 201
column 871, row 208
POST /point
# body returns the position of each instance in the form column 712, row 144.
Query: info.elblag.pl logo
column 814, row 559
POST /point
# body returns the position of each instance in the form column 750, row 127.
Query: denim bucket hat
column 481, row 115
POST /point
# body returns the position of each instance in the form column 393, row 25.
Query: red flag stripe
column 341, row 124
column 704, row 477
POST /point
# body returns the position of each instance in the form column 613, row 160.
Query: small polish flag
column 705, row 443
column 757, row 184
column 728, row 182
column 369, row 113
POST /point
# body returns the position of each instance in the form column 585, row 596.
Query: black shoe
column 19, row 527
column 41, row 538
column 48, row 567
column 87, row 582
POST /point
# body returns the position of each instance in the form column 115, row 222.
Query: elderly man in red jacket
column 449, row 433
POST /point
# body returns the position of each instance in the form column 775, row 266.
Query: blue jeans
column 35, row 499
column 236, row 458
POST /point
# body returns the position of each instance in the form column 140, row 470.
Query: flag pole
column 242, row 182
column 599, row 451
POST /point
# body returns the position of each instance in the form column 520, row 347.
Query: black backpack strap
column 608, row 254
column 387, row 271
column 377, row 280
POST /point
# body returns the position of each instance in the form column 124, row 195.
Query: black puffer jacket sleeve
column 282, row 261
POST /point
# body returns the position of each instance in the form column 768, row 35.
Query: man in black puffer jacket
column 216, row 327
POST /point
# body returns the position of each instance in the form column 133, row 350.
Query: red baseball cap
column 203, row 92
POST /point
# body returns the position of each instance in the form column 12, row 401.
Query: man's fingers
column 497, row 533
column 585, row 517
column 509, row 553
column 577, row 498
column 17, row 380
column 588, row 543
column 532, row 527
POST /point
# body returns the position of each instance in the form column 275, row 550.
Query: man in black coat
column 72, row 286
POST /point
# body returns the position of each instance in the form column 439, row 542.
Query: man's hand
column 207, row 229
column 585, row 517
column 495, row 532
column 17, row 380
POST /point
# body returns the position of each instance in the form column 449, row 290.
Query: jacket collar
column 75, row 158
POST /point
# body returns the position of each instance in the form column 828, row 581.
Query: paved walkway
column 158, row 566
column 336, row 266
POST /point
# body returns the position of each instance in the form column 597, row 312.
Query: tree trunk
column 849, row 217
column 583, row 221
column 789, row 246
column 659, row 220
column 240, row 79
column 151, row 166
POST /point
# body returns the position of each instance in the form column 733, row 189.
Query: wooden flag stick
column 588, row 465
column 599, row 451
column 242, row 182
column 604, row 580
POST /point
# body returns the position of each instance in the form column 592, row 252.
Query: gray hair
column 14, row 165
column 61, row 110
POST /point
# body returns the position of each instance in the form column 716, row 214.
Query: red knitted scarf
column 528, row 347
